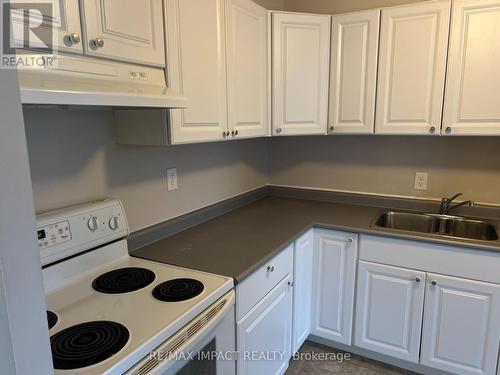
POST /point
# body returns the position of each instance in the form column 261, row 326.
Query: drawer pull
column 270, row 268
column 434, row 282
column 290, row 283
column 417, row 279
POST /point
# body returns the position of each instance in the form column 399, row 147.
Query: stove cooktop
column 120, row 308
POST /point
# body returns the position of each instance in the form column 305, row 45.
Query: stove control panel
column 72, row 230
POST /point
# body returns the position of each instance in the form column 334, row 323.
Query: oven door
column 206, row 346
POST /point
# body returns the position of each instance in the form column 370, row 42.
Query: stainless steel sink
column 442, row 225
column 473, row 229
column 409, row 222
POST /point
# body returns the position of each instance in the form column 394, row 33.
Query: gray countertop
column 239, row 242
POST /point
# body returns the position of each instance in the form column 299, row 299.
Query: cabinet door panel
column 247, row 67
column 389, row 310
column 301, row 57
column 354, row 72
column 65, row 18
column 473, row 78
column 334, row 270
column 131, row 30
column 461, row 326
column 196, row 68
column 302, row 279
column 413, row 46
column 267, row 328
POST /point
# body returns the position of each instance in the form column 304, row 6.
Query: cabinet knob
column 97, row 43
column 73, row 38
column 270, row 268
column 432, row 130
column 417, row 279
column 350, row 241
column 236, row 132
column 279, row 130
column 434, row 282
column 290, row 283
column 448, row 130
column 332, row 128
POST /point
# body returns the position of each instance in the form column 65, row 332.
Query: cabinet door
column 248, row 69
column 473, row 78
column 461, row 326
column 267, row 329
column 301, row 58
column 334, row 270
column 65, row 19
column 196, row 68
column 302, row 280
column 413, row 46
column 130, row 30
column 354, row 72
column 389, row 306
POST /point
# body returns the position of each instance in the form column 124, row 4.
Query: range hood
column 85, row 81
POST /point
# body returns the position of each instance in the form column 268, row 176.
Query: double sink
column 444, row 225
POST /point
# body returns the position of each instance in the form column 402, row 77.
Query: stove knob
column 93, row 224
column 113, row 223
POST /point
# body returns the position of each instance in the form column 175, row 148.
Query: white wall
column 75, row 159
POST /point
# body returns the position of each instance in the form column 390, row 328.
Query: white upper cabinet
column 472, row 104
column 302, row 275
column 128, row 30
column 412, row 61
column 334, row 270
column 248, row 69
column 301, row 59
column 389, row 308
column 353, row 73
column 65, row 18
column 196, row 68
column 461, row 326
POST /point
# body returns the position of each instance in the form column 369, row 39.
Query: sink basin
column 452, row 226
column 409, row 222
column 473, row 229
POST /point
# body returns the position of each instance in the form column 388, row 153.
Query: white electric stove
column 110, row 313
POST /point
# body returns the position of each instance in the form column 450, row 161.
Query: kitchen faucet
column 445, row 204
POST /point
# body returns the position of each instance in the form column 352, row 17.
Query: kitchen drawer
column 262, row 281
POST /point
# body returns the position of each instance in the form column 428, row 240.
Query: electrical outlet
column 172, row 179
column 421, row 181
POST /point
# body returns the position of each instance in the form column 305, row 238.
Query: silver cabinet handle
column 74, row 38
column 434, row 282
column 97, row 43
column 270, row 268
column 417, row 279
column 350, row 241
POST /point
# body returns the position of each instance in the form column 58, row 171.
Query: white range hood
column 85, row 81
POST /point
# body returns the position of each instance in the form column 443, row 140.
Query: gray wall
column 339, row 6
column 24, row 338
column 75, row 159
column 387, row 164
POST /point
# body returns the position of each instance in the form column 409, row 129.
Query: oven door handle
column 162, row 358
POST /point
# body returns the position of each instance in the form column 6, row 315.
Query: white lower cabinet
column 334, row 270
column 461, row 326
column 264, row 334
column 302, row 273
column 389, row 310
